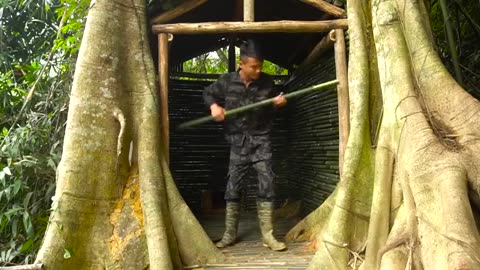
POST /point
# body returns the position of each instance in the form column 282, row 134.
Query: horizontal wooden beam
column 178, row 11
column 326, row 7
column 251, row 27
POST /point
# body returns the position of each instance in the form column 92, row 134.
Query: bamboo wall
column 313, row 136
column 305, row 143
column 199, row 156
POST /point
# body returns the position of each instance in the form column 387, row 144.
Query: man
column 249, row 138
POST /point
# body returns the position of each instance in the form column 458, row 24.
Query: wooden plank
column 251, row 27
column 342, row 92
column 163, row 76
column 178, row 11
column 248, row 10
column 326, row 7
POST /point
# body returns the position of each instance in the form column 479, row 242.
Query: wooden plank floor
column 248, row 252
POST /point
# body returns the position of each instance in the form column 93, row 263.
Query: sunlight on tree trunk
column 413, row 187
column 115, row 196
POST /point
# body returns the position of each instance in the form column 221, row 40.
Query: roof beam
column 326, row 7
column 178, row 11
column 251, row 27
column 325, row 44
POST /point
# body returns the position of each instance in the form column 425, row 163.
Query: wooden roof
column 284, row 49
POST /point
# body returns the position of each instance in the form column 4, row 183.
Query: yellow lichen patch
column 128, row 206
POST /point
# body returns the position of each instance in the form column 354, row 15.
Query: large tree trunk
column 115, row 196
column 410, row 183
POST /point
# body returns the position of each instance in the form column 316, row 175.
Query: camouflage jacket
column 230, row 92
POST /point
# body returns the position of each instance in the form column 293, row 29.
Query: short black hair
column 251, row 48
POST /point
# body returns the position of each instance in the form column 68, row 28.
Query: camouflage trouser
column 247, row 152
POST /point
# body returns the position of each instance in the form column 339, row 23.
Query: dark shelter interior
column 306, row 132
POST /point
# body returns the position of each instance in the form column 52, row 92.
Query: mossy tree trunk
column 116, row 205
column 406, row 199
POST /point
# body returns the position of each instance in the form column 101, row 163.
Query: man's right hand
column 218, row 113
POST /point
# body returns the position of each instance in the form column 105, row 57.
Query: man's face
column 251, row 67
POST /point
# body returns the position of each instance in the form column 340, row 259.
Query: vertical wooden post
column 337, row 35
column 163, row 76
column 248, row 10
column 232, row 61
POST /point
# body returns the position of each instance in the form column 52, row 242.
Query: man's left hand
column 279, row 101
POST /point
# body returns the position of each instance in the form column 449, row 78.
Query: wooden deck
column 248, row 252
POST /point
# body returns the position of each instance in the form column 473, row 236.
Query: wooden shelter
column 304, row 36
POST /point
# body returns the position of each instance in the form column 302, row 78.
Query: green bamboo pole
column 262, row 103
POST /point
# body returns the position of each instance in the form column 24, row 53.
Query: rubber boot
column 231, row 225
column 264, row 210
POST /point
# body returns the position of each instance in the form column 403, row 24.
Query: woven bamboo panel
column 313, row 136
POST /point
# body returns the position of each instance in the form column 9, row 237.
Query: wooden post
column 248, row 10
column 163, row 76
column 337, row 35
column 232, row 61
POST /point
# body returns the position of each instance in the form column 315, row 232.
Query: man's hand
column 279, row 101
column 217, row 112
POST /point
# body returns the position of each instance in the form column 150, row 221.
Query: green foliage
column 216, row 62
column 39, row 41
column 465, row 19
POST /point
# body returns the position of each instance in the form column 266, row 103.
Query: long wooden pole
column 342, row 93
column 163, row 76
column 248, row 10
column 251, row 27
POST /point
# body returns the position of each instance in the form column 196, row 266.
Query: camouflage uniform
column 248, row 133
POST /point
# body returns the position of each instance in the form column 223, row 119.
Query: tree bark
column 112, row 210
column 420, row 169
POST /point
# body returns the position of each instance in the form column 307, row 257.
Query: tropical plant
column 38, row 44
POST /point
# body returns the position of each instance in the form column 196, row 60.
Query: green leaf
column 68, row 253
column 15, row 227
column 27, row 224
column 12, row 211
column 3, row 222
column 26, row 200
column 16, row 186
column 7, row 171
column 2, row 177
column 27, row 246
